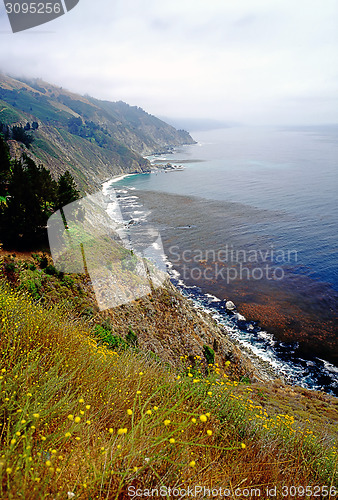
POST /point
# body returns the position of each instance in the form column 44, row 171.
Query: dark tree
column 27, row 126
column 67, row 191
column 5, row 131
column 31, row 202
column 35, row 125
column 19, row 134
column 5, row 166
column 75, row 125
column 28, row 197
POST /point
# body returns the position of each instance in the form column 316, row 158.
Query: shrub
column 112, row 341
column 10, row 267
column 31, row 281
column 209, row 354
column 131, row 338
column 43, row 261
column 33, row 289
column 51, row 270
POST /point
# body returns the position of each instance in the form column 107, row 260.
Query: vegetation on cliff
column 83, row 418
column 92, row 139
column 29, row 196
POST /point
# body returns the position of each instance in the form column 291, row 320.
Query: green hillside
column 92, row 139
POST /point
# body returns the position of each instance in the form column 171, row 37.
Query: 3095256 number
column 309, row 491
column 33, row 8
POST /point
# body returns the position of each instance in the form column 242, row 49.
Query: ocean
column 251, row 217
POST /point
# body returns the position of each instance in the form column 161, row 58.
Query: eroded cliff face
column 93, row 139
column 168, row 324
column 170, row 329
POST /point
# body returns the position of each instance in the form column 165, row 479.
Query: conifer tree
column 31, row 202
column 5, row 166
column 67, row 190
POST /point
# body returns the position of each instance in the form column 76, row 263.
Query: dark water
column 262, row 232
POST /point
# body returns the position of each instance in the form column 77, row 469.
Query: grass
column 79, row 420
column 8, row 115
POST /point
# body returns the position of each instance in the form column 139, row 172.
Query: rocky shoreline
column 166, row 167
column 259, row 369
column 188, row 328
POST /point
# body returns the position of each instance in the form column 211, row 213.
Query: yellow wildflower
column 122, row 431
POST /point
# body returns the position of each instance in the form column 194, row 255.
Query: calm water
column 294, row 172
column 259, row 189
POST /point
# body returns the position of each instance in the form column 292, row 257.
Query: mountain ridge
column 93, row 139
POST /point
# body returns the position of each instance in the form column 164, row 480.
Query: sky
column 249, row 61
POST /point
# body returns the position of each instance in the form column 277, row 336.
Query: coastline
column 183, row 222
column 114, row 179
column 172, row 215
column 262, row 369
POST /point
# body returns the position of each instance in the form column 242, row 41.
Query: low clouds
column 254, row 61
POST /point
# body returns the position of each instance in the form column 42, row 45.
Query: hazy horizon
column 252, row 62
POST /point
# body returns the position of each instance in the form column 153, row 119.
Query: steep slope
column 93, row 139
column 82, row 420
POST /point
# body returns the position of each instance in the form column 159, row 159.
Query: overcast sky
column 251, row 61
